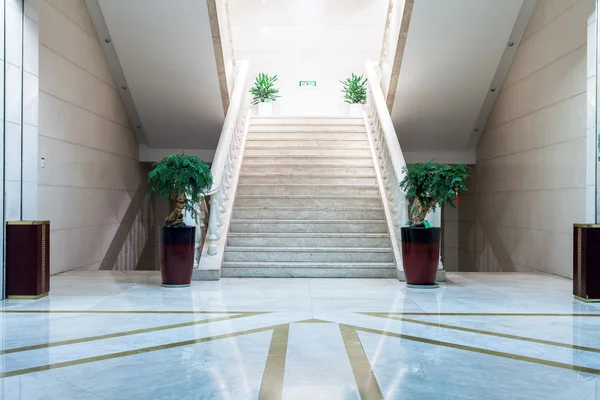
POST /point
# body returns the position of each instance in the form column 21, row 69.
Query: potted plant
column 355, row 94
column 427, row 186
column 184, row 180
column 264, row 93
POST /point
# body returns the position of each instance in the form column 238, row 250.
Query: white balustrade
column 225, row 163
column 387, row 148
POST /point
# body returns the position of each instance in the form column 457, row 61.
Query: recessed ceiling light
column 492, row 90
column 476, row 129
column 124, row 87
column 511, row 44
column 107, row 40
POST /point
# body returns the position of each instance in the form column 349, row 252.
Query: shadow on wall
column 134, row 235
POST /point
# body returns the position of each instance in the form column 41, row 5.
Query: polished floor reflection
column 113, row 335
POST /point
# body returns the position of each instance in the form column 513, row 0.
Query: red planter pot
column 177, row 255
column 420, row 255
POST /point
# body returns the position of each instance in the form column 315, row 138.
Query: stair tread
column 310, row 249
column 306, row 264
column 300, row 196
column 312, row 184
column 310, row 234
column 310, row 221
column 246, row 208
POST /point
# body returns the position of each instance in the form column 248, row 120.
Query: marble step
column 307, row 160
column 332, row 136
column 306, row 151
column 308, row 270
column 304, row 128
column 284, row 144
column 307, row 226
column 316, row 179
column 306, row 189
column 276, row 201
column 306, row 121
column 309, row 239
column 308, row 254
column 322, row 169
column 294, row 213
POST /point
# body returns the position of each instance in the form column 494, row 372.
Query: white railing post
column 213, row 229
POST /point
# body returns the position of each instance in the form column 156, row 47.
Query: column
column 19, row 54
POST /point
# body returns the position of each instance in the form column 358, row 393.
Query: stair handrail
column 226, row 156
column 388, row 151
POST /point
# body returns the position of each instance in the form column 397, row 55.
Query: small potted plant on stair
column 264, row 94
column 427, row 186
column 355, row 94
column 184, row 180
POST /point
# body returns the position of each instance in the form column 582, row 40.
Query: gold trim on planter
column 587, row 300
column 25, row 297
column 27, row 222
column 586, row 225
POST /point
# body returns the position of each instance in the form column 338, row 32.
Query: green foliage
column 355, row 89
column 264, row 90
column 432, row 184
column 181, row 174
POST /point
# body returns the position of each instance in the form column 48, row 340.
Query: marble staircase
column 308, row 203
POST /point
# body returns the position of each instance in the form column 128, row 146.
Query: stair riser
column 281, row 144
column 307, row 152
column 308, row 202
column 300, row 129
column 316, row 180
column 331, row 136
column 306, row 190
column 250, row 256
column 308, row 170
column 258, row 121
column 307, row 160
column 251, row 227
column 298, row 272
column 309, row 214
column 383, row 242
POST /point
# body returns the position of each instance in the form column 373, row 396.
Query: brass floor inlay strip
column 12, row 311
column 314, row 321
column 132, row 352
column 127, row 333
column 461, row 314
column 271, row 387
column 517, row 357
column 361, row 367
column 498, row 334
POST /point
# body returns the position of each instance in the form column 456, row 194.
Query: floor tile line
column 479, row 350
column 368, row 387
column 124, row 333
column 271, row 387
column 462, row 314
column 144, row 350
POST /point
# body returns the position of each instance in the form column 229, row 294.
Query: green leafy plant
column 264, row 89
column 355, row 89
column 183, row 179
column 429, row 185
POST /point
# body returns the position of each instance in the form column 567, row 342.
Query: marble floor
column 115, row 335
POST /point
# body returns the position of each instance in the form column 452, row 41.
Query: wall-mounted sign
column 308, row 84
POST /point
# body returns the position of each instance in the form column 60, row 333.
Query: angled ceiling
column 165, row 54
column 456, row 52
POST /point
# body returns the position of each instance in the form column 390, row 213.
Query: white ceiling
column 453, row 51
column 166, row 54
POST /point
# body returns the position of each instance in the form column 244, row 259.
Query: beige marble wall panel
column 92, row 188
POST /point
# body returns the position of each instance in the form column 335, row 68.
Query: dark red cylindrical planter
column 177, row 255
column 420, row 255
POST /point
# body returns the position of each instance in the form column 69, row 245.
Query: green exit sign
column 308, row 84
